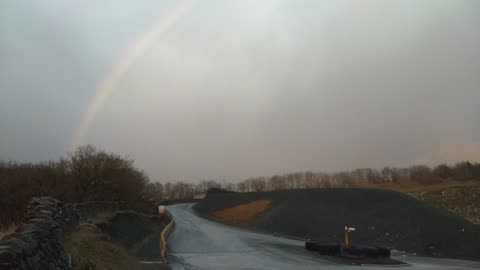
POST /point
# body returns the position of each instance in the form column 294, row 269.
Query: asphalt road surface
column 197, row 243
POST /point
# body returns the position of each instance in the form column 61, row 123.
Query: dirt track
column 384, row 218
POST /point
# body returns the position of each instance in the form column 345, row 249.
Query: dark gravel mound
column 381, row 218
column 138, row 233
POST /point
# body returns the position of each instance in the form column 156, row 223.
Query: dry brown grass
column 243, row 214
column 414, row 187
column 103, row 217
column 7, row 231
column 90, row 249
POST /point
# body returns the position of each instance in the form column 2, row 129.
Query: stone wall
column 38, row 243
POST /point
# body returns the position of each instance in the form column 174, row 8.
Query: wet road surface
column 197, row 243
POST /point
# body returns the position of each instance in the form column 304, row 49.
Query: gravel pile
column 381, row 218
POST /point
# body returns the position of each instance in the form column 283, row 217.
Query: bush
column 442, row 171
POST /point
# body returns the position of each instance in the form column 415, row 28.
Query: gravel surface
column 381, row 218
column 197, row 243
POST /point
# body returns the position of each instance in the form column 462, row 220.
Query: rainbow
column 106, row 86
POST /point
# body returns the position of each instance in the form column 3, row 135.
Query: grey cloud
column 243, row 88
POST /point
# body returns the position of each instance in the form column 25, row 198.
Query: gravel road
column 197, row 243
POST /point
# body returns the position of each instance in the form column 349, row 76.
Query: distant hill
column 381, row 217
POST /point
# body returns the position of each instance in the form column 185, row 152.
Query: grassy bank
column 117, row 240
column 91, row 249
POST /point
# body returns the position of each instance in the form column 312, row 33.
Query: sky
column 233, row 89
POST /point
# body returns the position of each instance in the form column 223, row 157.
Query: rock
column 7, row 256
column 6, row 266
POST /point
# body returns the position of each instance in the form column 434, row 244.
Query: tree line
column 418, row 174
column 89, row 174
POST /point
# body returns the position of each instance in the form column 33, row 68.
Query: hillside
column 459, row 197
column 381, row 217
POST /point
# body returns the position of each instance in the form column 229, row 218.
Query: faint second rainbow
column 106, row 86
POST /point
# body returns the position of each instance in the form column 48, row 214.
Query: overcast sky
column 245, row 88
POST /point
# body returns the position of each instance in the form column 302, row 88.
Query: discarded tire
column 352, row 251
column 329, row 249
column 365, row 252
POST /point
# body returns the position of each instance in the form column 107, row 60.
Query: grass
column 242, row 214
column 91, row 249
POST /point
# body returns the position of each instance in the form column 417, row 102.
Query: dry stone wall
column 38, row 243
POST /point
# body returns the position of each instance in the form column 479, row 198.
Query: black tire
column 366, row 252
column 330, row 249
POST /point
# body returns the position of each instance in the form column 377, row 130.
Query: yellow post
column 346, row 236
column 163, row 248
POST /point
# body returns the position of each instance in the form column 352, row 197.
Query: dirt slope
column 459, row 197
column 382, row 217
column 461, row 200
column 242, row 214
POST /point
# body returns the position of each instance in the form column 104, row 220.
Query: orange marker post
column 347, row 232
